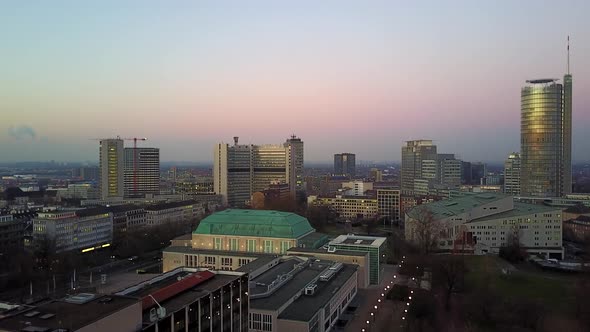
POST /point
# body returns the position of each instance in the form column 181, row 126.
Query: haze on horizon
column 345, row 76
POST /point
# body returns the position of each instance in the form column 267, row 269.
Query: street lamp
column 375, row 307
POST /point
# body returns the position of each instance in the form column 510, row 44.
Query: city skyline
column 197, row 74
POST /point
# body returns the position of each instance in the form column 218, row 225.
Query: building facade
column 482, row 223
column 241, row 170
column 374, row 246
column 350, row 207
column 412, row 155
column 512, row 174
column 254, row 231
column 345, row 164
column 389, row 204
column 172, row 212
column 546, row 138
column 82, row 230
column 112, row 164
column 301, row 294
column 141, row 172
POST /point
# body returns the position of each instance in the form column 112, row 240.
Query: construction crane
column 134, row 139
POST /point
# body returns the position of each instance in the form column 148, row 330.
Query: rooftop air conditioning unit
column 310, row 290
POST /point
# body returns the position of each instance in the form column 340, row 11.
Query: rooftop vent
column 32, row 314
column 47, row 316
column 80, row 298
column 310, row 289
column 331, row 249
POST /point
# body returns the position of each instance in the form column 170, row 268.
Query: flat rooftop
column 520, row 209
column 311, row 251
column 184, row 294
column 306, row 306
column 358, row 240
column 285, row 292
column 61, row 314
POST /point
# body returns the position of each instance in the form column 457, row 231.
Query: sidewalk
column 369, row 299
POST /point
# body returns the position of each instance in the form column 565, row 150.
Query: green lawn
column 554, row 291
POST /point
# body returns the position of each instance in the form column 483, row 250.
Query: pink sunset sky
column 345, row 76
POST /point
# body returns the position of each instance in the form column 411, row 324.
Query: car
column 132, row 258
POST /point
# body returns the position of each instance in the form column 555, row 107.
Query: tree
column 512, row 250
column 320, row 215
column 427, row 230
column 422, row 309
column 450, row 275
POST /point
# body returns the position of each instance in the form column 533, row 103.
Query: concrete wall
column 291, row 325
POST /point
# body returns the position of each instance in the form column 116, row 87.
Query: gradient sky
column 346, row 76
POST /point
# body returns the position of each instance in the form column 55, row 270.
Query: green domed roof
column 254, row 223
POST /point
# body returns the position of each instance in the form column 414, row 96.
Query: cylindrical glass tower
column 541, row 138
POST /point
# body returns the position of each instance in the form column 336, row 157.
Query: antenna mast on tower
column 568, row 55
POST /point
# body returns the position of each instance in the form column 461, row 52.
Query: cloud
column 22, row 132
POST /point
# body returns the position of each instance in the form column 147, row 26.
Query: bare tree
column 450, row 274
column 427, row 230
column 512, row 250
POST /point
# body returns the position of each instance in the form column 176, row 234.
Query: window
column 266, row 322
column 218, row 243
column 251, row 245
column 233, row 244
column 268, row 246
column 243, row 261
column 227, row 261
column 285, row 246
column 256, row 321
column 210, row 260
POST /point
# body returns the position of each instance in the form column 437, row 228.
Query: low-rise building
column 374, row 246
column 82, row 230
column 166, row 213
column 577, row 229
column 482, row 223
column 186, row 299
column 254, row 231
column 300, row 294
column 359, row 258
column 350, row 207
column 11, row 233
column 191, row 299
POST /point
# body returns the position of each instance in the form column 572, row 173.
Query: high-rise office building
column 345, row 164
column 295, row 164
column 241, row 170
column 111, row 160
column 545, row 134
column 142, row 172
column 512, row 174
column 412, row 155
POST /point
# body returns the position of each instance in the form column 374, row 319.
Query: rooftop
column 520, row 209
column 177, row 288
column 288, row 290
column 311, row 251
column 255, row 223
column 168, row 205
column 356, row 240
column 306, row 306
column 57, row 314
column 456, row 205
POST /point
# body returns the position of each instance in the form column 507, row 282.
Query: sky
column 346, row 76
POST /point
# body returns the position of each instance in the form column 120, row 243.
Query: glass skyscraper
column 546, row 138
